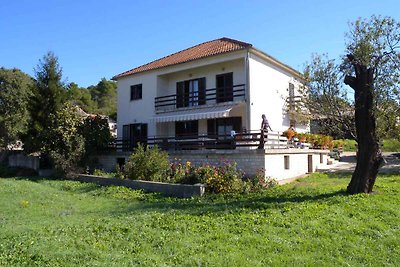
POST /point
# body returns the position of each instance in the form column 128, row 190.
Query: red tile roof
column 207, row 49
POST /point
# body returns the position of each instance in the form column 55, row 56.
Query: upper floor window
column 224, row 83
column 136, row 91
column 191, row 93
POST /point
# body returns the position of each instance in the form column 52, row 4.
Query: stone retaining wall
column 272, row 161
column 21, row 160
column 172, row 190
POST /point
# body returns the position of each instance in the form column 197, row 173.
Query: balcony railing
column 272, row 140
column 202, row 97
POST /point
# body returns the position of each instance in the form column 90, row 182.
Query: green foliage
column 96, row 99
column 388, row 145
column 325, row 97
column 48, row 98
column 96, row 133
column 81, row 97
column 118, row 173
column 350, row 145
column 15, row 91
column 67, row 145
column 373, row 42
column 391, row 145
column 310, row 222
column 148, row 164
column 105, row 95
column 221, row 178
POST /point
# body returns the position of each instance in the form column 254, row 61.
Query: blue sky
column 95, row 39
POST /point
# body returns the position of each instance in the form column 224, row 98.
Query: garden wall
column 281, row 164
column 24, row 161
column 172, row 190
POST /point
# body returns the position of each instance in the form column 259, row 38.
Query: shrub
column 259, row 181
column 338, row 143
column 350, row 145
column 391, row 145
column 116, row 174
column 222, row 178
column 182, row 173
column 149, row 164
column 67, row 146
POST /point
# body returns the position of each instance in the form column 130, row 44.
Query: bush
column 391, row 145
column 183, row 173
column 222, row 178
column 349, row 145
column 116, row 174
column 149, row 164
column 259, row 181
column 67, row 146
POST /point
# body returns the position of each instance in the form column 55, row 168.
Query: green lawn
column 309, row 222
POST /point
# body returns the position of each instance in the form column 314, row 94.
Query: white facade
column 265, row 80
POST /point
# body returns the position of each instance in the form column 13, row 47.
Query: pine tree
column 49, row 95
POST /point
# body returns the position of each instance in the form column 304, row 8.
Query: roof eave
column 122, row 75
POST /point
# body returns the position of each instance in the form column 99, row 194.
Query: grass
column 388, row 145
column 309, row 222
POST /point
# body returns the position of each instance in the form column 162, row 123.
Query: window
column 191, row 93
column 291, row 97
column 136, row 91
column 286, row 161
column 224, row 84
column 186, row 128
column 132, row 134
column 224, row 126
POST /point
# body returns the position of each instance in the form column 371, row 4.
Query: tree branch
column 350, row 81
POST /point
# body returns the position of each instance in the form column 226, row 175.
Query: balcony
column 212, row 96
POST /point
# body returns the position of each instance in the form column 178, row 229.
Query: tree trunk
column 369, row 157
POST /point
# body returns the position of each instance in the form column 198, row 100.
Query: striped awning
column 196, row 114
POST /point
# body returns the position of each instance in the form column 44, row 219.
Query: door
column 191, row 93
column 224, row 85
column 133, row 134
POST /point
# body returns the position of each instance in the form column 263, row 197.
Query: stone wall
column 272, row 161
column 172, row 190
column 21, row 160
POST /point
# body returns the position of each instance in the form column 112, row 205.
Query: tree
column 15, row 92
column 105, row 94
column 66, row 146
column 371, row 68
column 326, row 99
column 96, row 133
column 49, row 96
column 81, row 97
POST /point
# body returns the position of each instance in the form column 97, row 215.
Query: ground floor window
column 224, row 126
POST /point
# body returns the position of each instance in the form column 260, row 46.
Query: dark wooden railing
column 208, row 96
column 252, row 139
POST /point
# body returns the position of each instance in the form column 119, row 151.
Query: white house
column 211, row 88
column 200, row 95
